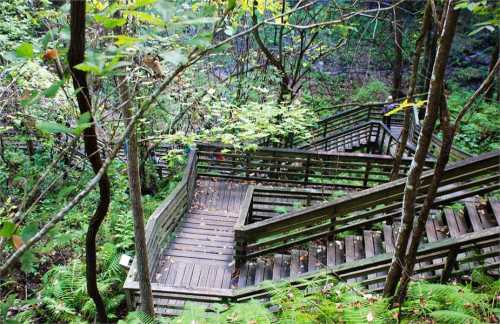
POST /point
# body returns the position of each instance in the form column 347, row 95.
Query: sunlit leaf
column 25, row 50
column 122, row 40
column 146, row 18
column 88, row 67
column 110, row 22
column 7, row 229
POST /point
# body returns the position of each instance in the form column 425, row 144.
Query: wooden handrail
column 429, row 251
column 165, row 218
column 298, row 167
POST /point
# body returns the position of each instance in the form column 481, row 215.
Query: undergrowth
column 336, row 302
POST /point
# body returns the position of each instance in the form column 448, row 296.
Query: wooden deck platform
column 200, row 253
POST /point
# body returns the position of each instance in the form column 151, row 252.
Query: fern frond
column 453, row 317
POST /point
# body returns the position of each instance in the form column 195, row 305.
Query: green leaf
column 175, row 57
column 146, row 18
column 231, row 4
column 141, row 3
column 8, row 229
column 51, row 91
column 109, row 22
column 123, row 40
column 52, row 127
column 88, row 67
column 28, row 231
column 25, row 50
column 83, row 123
column 27, row 262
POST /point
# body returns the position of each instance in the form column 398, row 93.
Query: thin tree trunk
column 494, row 57
column 444, row 155
column 76, row 55
column 134, row 181
column 425, row 29
column 416, row 167
column 398, row 54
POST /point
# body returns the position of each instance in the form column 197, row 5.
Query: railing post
column 240, row 241
column 247, row 166
column 306, row 175
column 451, row 259
column 367, row 174
column 240, row 248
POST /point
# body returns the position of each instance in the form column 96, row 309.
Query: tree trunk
column 134, row 181
column 416, row 167
column 444, row 155
column 398, row 54
column 494, row 57
column 449, row 130
column 76, row 56
column 425, row 29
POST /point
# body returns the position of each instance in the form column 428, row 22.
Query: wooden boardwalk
column 200, row 253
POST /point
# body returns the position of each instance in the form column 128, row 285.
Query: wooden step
column 298, row 263
column 434, row 230
column 373, row 247
column 281, row 267
column 494, row 206
column 456, row 222
column 335, row 253
column 354, row 250
column 316, row 256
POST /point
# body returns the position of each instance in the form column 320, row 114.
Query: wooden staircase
column 311, row 257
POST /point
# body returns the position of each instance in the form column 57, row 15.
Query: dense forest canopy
column 104, row 102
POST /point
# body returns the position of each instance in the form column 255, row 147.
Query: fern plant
column 64, row 292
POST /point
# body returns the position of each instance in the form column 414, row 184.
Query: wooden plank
column 313, row 262
column 389, row 239
column 295, row 263
column 285, row 266
column 198, row 248
column 335, row 253
column 186, row 259
column 353, row 251
column 456, row 222
column 219, row 277
column 199, row 255
column 181, row 268
column 188, row 273
column 242, row 279
column 226, row 281
column 204, row 243
column 210, row 238
column 195, row 278
column 170, row 278
column 477, row 225
column 278, row 261
column 495, row 208
column 213, row 232
column 259, row 272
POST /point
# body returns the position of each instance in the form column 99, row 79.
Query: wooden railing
column 463, row 179
column 297, row 167
column 435, row 255
column 373, row 135
column 164, row 219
